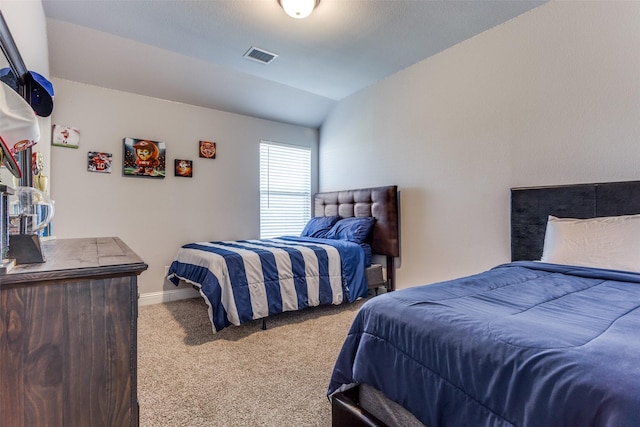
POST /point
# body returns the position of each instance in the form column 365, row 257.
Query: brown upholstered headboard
column 378, row 202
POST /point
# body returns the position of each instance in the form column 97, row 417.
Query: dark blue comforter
column 523, row 344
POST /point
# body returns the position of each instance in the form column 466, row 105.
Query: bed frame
column 378, row 202
column 530, row 208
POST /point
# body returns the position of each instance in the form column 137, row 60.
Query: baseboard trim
column 150, row 298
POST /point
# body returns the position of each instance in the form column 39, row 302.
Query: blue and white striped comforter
column 251, row 279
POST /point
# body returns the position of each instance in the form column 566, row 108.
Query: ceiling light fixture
column 298, row 8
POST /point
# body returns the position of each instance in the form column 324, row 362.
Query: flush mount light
column 298, row 8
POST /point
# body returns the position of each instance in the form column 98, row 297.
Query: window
column 285, row 189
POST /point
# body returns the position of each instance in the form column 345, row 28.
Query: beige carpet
column 241, row 376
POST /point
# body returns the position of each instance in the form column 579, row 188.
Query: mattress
column 523, row 344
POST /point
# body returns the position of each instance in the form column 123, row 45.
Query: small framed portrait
column 99, row 162
column 65, row 136
column 207, row 149
column 184, row 168
column 144, row 158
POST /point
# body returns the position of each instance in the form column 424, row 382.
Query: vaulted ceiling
column 192, row 51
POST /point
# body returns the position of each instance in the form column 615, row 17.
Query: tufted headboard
column 378, row 202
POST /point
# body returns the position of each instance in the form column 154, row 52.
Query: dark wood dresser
column 68, row 336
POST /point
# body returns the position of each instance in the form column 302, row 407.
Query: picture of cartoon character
column 143, row 157
column 208, row 149
column 183, row 167
column 147, row 154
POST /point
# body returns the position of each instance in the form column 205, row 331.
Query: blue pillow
column 319, row 226
column 352, row 229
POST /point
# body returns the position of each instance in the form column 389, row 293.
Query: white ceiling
column 191, row 51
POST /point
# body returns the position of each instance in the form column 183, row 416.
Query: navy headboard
column 531, row 206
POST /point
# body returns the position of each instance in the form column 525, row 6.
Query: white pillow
column 607, row 242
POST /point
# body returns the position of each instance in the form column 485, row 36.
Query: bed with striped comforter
column 251, row 279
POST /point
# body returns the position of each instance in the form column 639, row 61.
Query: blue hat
column 41, row 97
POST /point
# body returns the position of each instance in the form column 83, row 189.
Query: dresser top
column 78, row 258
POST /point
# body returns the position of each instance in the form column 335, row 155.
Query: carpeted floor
column 241, row 376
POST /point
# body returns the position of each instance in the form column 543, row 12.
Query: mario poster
column 144, row 158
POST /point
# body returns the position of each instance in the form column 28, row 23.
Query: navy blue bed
column 523, row 344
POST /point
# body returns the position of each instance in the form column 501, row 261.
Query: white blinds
column 285, row 189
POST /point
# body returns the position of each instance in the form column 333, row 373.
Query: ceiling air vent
column 260, row 55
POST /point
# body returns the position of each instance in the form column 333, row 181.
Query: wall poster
column 144, row 158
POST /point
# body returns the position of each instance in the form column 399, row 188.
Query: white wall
column 550, row 97
column 156, row 216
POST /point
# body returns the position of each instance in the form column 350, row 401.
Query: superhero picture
column 99, row 162
column 183, row 168
column 144, row 158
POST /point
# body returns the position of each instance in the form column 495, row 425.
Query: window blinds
column 285, row 189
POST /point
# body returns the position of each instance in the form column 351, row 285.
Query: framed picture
column 207, row 149
column 144, row 158
column 184, row 168
column 65, row 136
column 99, row 162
